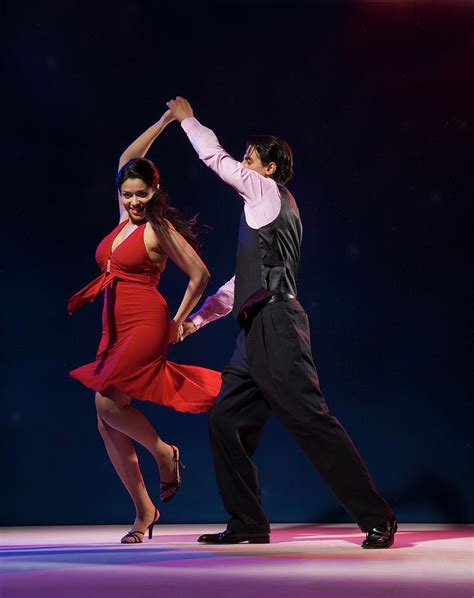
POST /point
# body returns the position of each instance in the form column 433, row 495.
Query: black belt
column 250, row 312
column 281, row 297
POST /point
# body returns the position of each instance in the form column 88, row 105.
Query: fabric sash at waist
column 94, row 288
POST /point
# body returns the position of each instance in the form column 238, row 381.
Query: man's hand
column 188, row 328
column 180, row 108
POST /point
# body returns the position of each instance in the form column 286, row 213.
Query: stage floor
column 302, row 560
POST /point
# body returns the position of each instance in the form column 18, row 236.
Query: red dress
column 135, row 329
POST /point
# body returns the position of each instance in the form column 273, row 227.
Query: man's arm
column 251, row 185
column 215, row 306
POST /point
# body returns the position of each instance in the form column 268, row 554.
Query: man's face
column 252, row 161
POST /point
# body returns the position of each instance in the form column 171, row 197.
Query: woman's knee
column 105, row 406
column 110, row 402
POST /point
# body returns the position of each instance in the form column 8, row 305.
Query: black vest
column 268, row 257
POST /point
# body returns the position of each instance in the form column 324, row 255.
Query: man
column 272, row 368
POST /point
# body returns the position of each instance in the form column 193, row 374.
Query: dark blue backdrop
column 376, row 100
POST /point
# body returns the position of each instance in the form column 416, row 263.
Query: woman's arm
column 180, row 251
column 215, row 306
column 141, row 145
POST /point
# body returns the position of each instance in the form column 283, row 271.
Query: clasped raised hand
column 180, row 108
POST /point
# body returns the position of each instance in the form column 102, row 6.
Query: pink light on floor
column 301, row 561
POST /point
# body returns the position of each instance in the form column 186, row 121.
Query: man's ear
column 271, row 168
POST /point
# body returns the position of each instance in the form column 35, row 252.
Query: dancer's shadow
column 428, row 490
column 351, row 535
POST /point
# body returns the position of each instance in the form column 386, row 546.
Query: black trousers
column 272, row 369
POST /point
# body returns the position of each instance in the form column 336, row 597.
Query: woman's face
column 135, row 193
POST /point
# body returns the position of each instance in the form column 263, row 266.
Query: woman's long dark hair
column 158, row 210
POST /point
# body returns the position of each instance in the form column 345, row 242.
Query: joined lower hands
column 178, row 332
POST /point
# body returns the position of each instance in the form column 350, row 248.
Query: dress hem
column 178, row 408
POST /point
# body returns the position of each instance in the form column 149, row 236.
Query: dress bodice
column 128, row 262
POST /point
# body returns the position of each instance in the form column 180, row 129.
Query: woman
column 131, row 358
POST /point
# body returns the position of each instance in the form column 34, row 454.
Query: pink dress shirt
column 260, row 194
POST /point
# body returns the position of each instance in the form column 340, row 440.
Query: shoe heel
column 152, row 525
column 259, row 540
column 169, row 489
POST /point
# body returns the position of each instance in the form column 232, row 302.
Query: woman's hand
column 167, row 118
column 176, row 332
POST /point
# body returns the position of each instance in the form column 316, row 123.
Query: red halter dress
column 135, row 329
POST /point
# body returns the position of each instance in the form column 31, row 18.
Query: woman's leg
column 114, row 408
column 125, row 461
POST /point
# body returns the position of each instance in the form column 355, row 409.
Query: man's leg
column 284, row 371
column 236, row 424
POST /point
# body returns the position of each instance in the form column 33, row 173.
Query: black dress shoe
column 381, row 536
column 229, row 537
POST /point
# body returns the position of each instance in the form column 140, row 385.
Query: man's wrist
column 189, row 123
column 197, row 320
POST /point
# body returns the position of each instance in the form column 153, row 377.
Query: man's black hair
column 274, row 149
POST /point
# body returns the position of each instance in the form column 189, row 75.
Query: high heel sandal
column 137, row 535
column 169, row 489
